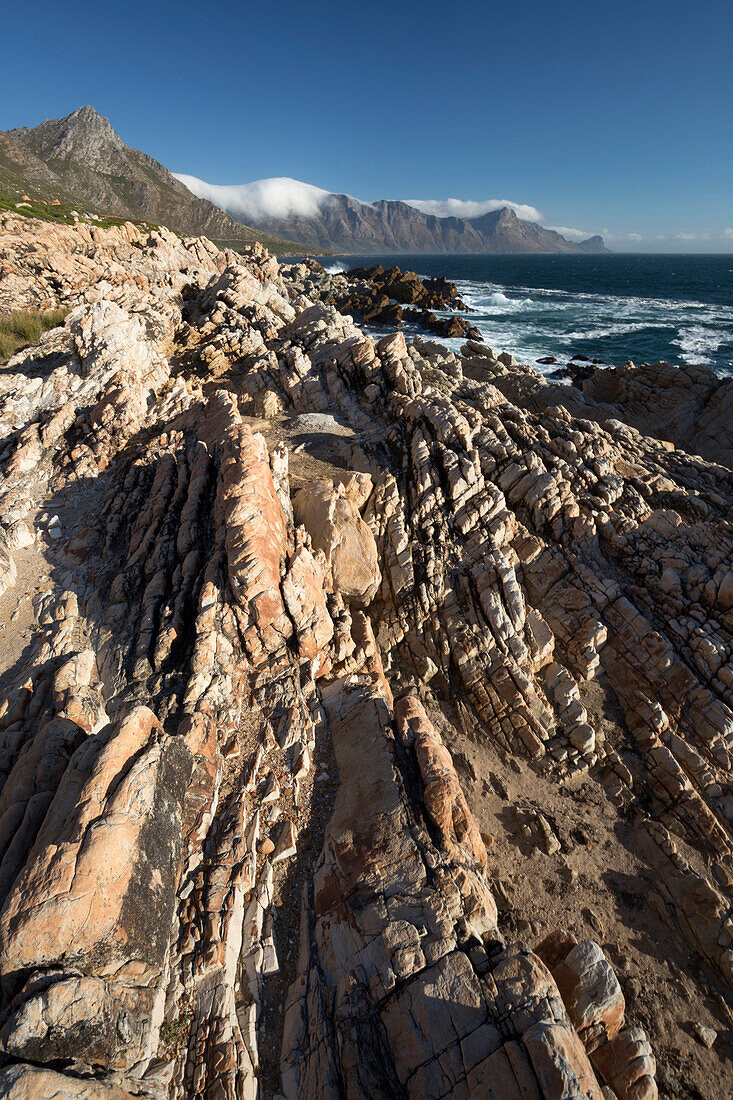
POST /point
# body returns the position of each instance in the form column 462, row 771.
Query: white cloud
column 466, row 208
column 571, row 234
column 279, row 197
column 728, row 233
column 634, row 237
column 686, row 236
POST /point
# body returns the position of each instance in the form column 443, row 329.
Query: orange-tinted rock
column 627, row 1064
column 591, row 993
column 444, row 799
column 97, row 890
column 332, row 520
column 26, row 1082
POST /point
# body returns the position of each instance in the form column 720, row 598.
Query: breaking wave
column 536, row 323
column 610, row 308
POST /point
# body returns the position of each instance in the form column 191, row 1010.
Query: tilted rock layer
column 277, row 570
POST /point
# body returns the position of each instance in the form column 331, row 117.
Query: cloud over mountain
column 570, row 233
column 278, row 197
column 282, row 197
column 467, row 208
column 339, row 222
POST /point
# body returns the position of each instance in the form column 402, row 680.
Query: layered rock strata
column 278, row 567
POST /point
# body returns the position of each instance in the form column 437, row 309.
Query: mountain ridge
column 342, row 223
column 80, row 159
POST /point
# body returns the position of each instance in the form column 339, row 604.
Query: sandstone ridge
column 366, row 713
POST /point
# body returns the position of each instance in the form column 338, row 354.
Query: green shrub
column 24, row 327
column 174, row 1033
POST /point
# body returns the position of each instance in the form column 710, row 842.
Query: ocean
column 610, row 307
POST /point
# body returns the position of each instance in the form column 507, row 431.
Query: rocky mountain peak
column 87, row 119
column 84, row 135
column 82, row 161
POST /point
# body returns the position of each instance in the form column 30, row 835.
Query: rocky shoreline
column 366, row 708
column 380, row 298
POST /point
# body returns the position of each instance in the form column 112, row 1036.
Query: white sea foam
column 604, row 331
column 616, row 302
column 696, row 341
column 534, row 323
column 497, row 299
column 335, row 269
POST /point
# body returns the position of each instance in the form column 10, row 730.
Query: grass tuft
column 24, row 327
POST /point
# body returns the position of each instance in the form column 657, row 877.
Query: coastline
column 378, row 695
column 611, row 308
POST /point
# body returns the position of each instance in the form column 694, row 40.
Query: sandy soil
column 595, row 886
column 17, row 617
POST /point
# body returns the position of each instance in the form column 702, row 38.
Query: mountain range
column 341, row 223
column 81, row 160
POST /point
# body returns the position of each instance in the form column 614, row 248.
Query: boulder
column 332, row 520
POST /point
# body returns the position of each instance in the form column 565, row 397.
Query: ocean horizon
column 611, row 307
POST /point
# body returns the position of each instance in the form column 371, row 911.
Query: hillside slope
column 81, row 161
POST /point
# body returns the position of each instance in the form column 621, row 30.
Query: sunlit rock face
column 352, row 674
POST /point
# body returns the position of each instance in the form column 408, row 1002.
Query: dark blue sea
column 609, row 307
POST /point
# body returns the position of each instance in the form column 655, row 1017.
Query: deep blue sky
column 615, row 116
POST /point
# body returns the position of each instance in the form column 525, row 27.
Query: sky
column 603, row 118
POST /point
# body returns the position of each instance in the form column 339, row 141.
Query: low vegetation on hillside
column 62, row 213
column 25, row 327
column 276, row 245
column 65, row 214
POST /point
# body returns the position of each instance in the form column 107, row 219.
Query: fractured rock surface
column 303, row 595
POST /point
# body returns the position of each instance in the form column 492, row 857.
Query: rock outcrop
column 330, row 515
column 691, row 406
column 379, row 298
column 305, row 608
